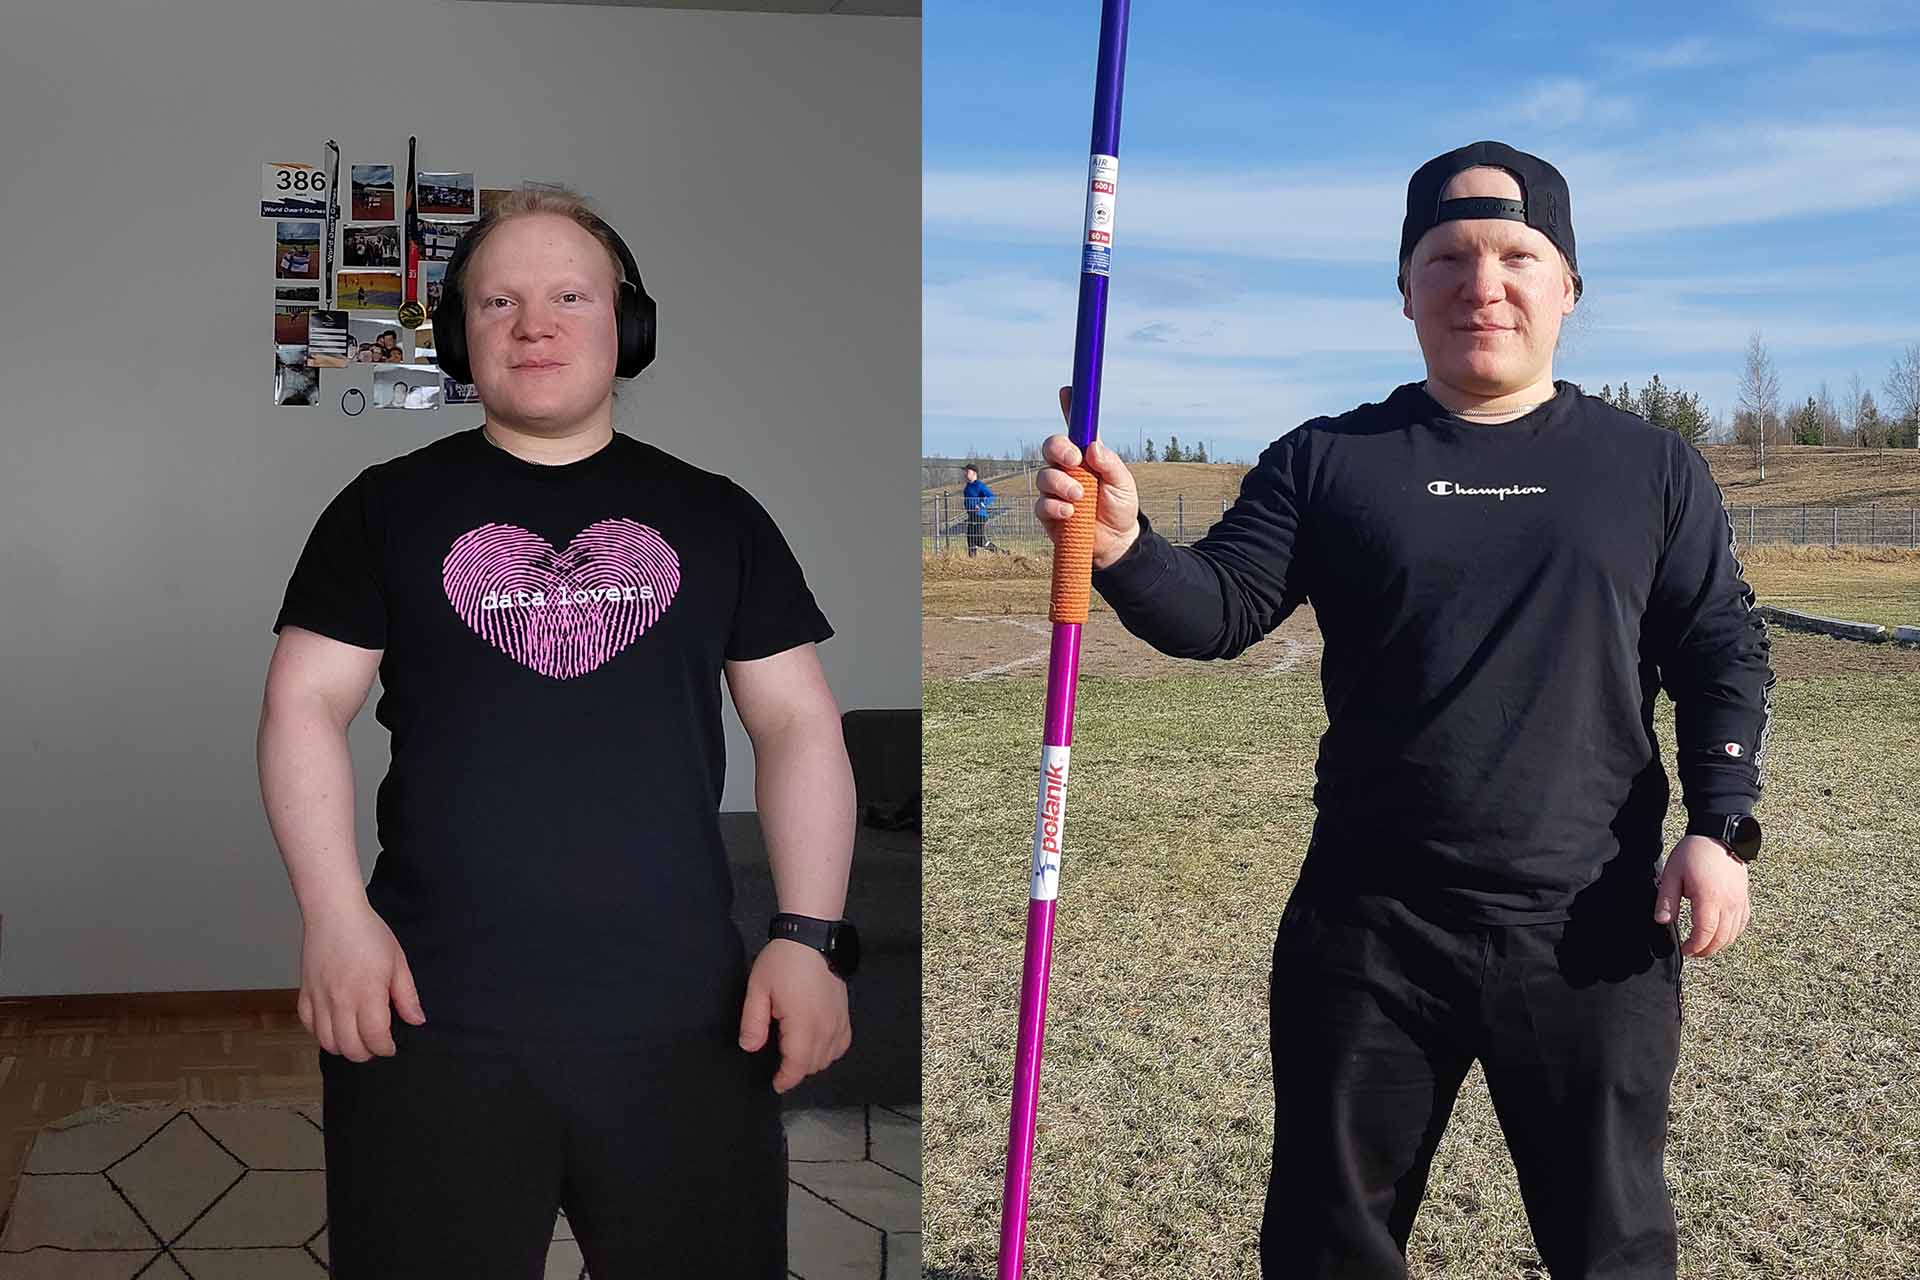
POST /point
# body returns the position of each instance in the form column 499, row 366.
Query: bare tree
column 1760, row 396
column 1829, row 415
column 1850, row 409
column 1903, row 398
column 1873, row 429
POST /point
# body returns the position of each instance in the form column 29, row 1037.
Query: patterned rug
column 237, row 1191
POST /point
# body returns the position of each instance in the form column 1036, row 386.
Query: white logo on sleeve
column 1448, row 489
column 1733, row 749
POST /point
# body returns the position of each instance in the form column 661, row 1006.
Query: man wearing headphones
column 550, row 605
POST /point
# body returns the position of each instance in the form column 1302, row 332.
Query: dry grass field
column 1795, row 1121
column 1797, row 475
column 1860, row 584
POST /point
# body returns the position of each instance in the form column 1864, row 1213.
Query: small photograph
column 294, row 382
column 368, row 290
column 327, row 339
column 433, row 279
column 371, row 247
column 445, row 195
column 372, row 193
column 296, row 251
column 452, row 392
column 491, row 196
column 290, row 326
column 296, row 293
column 423, row 344
column 438, row 240
column 407, row 387
column 376, row 340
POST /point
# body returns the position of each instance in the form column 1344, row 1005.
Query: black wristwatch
column 837, row 940
column 1740, row 832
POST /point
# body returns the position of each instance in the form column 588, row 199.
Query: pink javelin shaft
column 1062, row 677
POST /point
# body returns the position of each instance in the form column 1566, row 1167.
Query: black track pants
column 452, row 1157
column 1377, row 1013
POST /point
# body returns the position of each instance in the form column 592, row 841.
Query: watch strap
column 837, row 940
column 809, row 930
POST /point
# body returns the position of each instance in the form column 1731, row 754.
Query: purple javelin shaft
column 1063, row 667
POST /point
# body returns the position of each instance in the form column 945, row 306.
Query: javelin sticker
column 1103, row 176
column 1049, row 823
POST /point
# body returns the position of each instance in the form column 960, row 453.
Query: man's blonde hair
column 542, row 197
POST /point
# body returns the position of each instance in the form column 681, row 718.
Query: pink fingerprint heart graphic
column 561, row 613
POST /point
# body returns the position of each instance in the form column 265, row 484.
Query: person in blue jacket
column 978, row 500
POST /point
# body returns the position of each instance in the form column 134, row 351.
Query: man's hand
column 791, row 981
column 1116, row 523
column 351, row 968
column 1702, row 871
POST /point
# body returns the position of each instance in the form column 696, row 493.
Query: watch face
column 1744, row 836
column 843, row 949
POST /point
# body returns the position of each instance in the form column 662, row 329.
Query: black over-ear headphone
column 635, row 314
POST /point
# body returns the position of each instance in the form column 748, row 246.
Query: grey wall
column 765, row 170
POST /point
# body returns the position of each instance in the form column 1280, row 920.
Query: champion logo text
column 1449, row 489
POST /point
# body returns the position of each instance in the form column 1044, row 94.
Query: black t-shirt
column 550, row 856
column 1500, row 603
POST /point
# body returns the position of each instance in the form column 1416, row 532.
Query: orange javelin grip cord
column 1072, row 587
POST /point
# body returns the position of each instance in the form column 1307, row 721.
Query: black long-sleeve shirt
column 1500, row 604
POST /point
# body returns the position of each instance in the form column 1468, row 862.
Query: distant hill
column 1816, row 476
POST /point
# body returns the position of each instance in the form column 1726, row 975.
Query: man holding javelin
column 1505, row 572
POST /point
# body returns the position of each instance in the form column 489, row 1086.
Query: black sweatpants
column 452, row 1157
column 976, row 533
column 1377, row 1013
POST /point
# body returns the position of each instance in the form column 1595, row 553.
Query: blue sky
column 1734, row 167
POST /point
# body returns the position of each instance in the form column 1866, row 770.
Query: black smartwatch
column 837, row 940
column 1740, row 832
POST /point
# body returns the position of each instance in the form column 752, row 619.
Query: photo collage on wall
column 327, row 316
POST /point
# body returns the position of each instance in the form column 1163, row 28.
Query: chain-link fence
column 1012, row 525
column 1873, row 525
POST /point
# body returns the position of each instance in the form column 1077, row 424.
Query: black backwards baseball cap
column 1543, row 205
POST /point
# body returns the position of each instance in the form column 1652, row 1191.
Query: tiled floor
column 237, row 1192
column 859, row 1166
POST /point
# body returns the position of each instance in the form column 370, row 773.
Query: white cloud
column 1842, row 17
column 1561, row 101
column 1853, row 277
column 1710, row 178
column 1727, row 177
column 1251, row 215
column 1683, row 54
column 997, row 346
column 1652, row 319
